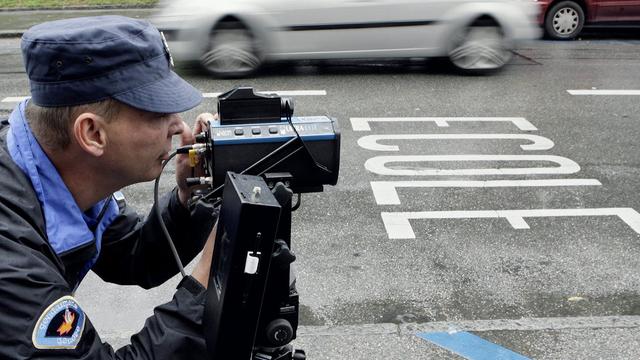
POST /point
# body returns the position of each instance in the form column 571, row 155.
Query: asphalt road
column 546, row 269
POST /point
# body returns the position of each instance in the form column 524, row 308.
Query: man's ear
column 90, row 133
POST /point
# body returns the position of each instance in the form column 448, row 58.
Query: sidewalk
column 14, row 23
column 542, row 338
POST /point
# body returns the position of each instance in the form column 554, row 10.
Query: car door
column 617, row 10
column 351, row 28
column 631, row 10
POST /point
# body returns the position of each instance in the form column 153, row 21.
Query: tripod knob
column 279, row 332
column 282, row 255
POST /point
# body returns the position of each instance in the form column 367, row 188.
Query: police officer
column 103, row 110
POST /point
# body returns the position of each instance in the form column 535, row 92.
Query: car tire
column 564, row 21
column 479, row 48
column 231, row 52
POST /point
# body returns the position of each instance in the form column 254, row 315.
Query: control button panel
column 305, row 126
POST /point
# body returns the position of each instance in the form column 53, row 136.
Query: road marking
column 378, row 165
column 214, row 95
column 604, row 92
column 386, row 192
column 527, row 324
column 398, row 226
column 15, row 99
column 280, row 93
column 470, row 346
column 362, row 124
column 370, row 142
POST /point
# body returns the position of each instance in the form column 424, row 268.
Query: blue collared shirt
column 67, row 226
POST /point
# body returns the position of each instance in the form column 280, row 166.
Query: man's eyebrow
column 154, row 115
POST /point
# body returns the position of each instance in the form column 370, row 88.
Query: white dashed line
column 281, row 93
column 14, row 99
column 604, row 92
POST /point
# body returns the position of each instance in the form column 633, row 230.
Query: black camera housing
column 243, row 106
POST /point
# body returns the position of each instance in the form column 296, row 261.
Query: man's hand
column 203, row 267
column 183, row 169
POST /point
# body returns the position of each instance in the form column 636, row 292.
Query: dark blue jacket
column 133, row 252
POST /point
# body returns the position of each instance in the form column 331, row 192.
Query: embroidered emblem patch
column 60, row 326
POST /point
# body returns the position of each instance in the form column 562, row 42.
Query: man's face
column 138, row 143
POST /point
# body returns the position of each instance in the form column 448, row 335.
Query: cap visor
column 169, row 95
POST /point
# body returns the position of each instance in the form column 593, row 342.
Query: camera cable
column 159, row 215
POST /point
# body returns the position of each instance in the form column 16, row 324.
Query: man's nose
column 177, row 125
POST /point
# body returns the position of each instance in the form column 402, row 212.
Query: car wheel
column 231, row 52
column 564, row 20
column 479, row 48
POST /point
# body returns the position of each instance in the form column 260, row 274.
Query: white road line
column 378, row 165
column 14, row 99
column 362, row 124
column 281, row 93
column 604, row 92
column 370, row 142
column 398, row 226
column 386, row 192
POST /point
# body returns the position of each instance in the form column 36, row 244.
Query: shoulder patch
column 60, row 326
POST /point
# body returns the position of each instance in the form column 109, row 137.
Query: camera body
column 305, row 149
column 237, row 146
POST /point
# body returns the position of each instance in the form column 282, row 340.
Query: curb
column 54, row 13
column 7, row 34
column 92, row 7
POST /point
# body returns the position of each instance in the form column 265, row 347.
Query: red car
column 565, row 19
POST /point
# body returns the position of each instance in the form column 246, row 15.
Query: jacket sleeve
column 30, row 287
column 135, row 251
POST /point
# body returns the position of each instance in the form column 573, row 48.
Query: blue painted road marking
column 470, row 346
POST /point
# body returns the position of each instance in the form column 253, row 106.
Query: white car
column 232, row 38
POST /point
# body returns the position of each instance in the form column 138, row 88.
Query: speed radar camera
column 254, row 158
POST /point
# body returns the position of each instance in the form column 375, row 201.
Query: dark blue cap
column 83, row 60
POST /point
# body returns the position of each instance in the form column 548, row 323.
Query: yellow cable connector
column 193, row 158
